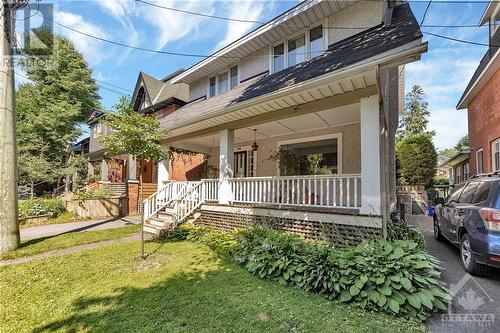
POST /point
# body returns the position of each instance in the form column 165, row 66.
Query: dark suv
column 470, row 219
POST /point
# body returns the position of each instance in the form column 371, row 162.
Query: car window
column 455, row 194
column 482, row 192
column 468, row 193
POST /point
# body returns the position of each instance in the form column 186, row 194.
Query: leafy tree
column 417, row 160
column 55, row 101
column 36, row 169
column 414, row 119
column 463, row 143
column 136, row 135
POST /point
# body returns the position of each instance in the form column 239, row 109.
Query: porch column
column 131, row 168
column 163, row 172
column 104, row 170
column 226, row 161
column 370, row 156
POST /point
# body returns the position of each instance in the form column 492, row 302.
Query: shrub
column 398, row 229
column 417, row 160
column 94, row 194
column 41, row 206
column 395, row 277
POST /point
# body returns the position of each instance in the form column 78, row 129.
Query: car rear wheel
column 470, row 264
column 437, row 232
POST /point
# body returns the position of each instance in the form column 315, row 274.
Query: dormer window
column 223, row 81
column 309, row 44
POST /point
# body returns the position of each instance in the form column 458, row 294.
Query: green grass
column 45, row 244
column 181, row 287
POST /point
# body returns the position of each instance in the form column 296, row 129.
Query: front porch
column 318, row 167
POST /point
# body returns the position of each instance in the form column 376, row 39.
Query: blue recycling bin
column 430, row 210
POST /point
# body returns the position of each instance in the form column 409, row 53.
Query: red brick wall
column 484, row 122
column 187, row 167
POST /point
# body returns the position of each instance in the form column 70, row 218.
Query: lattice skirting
column 338, row 234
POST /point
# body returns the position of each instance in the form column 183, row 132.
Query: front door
column 240, row 164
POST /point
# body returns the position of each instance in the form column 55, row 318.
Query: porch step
column 154, row 229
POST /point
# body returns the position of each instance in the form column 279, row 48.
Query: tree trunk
column 141, row 203
column 32, row 189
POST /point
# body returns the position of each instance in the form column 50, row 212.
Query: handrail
column 188, row 202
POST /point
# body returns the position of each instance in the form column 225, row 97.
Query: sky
column 443, row 71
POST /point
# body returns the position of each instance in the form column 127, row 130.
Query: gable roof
column 159, row 91
column 402, row 29
column 94, row 115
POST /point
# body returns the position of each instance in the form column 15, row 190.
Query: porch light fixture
column 255, row 146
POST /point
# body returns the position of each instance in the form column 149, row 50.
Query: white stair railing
column 164, row 196
column 188, row 202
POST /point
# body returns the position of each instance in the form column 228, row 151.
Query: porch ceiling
column 303, row 123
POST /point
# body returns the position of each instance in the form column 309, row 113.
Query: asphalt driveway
column 476, row 301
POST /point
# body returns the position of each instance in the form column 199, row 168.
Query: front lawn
column 40, row 245
column 180, row 287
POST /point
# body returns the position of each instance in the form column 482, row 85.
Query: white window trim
column 249, row 151
column 307, row 38
column 492, row 18
column 337, row 136
column 480, row 150
column 216, row 75
column 493, row 166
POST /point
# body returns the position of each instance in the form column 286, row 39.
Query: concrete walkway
column 63, row 228
column 73, row 249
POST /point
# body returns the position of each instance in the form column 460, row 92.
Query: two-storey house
column 298, row 117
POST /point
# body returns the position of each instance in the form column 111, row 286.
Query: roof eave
column 485, row 75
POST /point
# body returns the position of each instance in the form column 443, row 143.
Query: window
column 455, row 194
column 479, row 161
column 279, row 57
column 466, row 171
column 468, row 192
column 223, row 82
column 495, row 155
column 316, row 44
column 296, row 51
column 233, row 81
column 482, row 192
column 211, row 87
column 458, row 175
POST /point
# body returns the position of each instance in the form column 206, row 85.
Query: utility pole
column 9, row 223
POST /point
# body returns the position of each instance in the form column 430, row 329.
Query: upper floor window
column 298, row 49
column 495, row 155
column 479, row 161
column 317, row 44
column 211, row 87
column 222, row 82
column 279, row 57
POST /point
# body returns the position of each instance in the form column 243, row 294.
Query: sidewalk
column 58, row 229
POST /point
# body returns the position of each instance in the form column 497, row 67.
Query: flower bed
column 396, row 277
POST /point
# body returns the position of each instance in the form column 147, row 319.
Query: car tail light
column 491, row 218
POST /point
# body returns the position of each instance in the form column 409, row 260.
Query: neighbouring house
column 482, row 100
column 442, row 169
column 298, row 121
column 152, row 97
column 459, row 167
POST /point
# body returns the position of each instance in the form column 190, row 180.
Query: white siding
column 254, row 63
column 198, row 89
column 363, row 14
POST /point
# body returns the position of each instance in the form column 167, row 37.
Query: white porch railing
column 342, row 191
